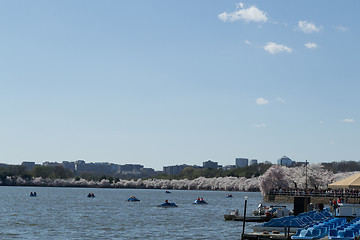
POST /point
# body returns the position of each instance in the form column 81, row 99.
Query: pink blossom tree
column 275, row 177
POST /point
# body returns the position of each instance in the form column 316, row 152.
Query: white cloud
column 342, row 28
column 311, row 45
column 274, row 48
column 308, row 27
column 251, row 14
column 262, row 101
column 260, row 125
column 348, row 120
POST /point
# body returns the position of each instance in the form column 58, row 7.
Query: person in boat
column 167, row 202
column 201, row 199
column 89, row 195
column 31, row 194
column 34, row 193
column 198, row 199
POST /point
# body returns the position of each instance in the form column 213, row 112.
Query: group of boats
column 167, row 203
column 321, row 223
column 261, row 214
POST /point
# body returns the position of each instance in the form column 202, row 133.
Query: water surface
column 67, row 213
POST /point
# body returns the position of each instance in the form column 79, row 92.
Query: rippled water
column 67, row 213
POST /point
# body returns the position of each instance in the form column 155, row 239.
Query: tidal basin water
column 67, row 213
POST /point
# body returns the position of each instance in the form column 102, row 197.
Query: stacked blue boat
column 333, row 228
column 301, row 221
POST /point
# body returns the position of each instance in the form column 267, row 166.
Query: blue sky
column 172, row 82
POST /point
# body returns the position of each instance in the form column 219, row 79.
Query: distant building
column 3, row 165
column 69, row 165
column 51, row 164
column 210, row 164
column 96, row 168
column 174, row 170
column 131, row 169
column 253, row 162
column 228, row 167
column 241, row 162
column 29, row 165
column 285, row 161
column 267, row 162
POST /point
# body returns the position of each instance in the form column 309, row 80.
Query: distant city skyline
column 166, row 83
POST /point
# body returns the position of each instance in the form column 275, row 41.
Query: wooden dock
column 266, row 235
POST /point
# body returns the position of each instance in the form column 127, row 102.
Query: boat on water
column 262, row 214
column 33, row 194
column 347, row 210
column 133, row 199
column 167, row 192
column 229, row 195
column 200, row 201
column 167, row 204
column 233, row 217
column 91, row 195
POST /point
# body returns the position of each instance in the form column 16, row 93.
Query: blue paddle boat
column 167, row 204
column 200, row 201
column 133, row 199
column 33, row 194
column 90, row 195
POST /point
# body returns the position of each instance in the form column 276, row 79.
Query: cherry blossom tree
column 275, row 177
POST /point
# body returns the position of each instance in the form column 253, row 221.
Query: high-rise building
column 241, row 162
column 285, row 161
column 174, row 170
column 28, row 165
column 253, row 162
column 210, row 164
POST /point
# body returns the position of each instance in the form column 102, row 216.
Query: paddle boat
column 200, row 201
column 293, row 223
column 167, row 204
column 133, row 199
column 90, row 195
column 229, row 195
column 33, row 194
column 167, row 192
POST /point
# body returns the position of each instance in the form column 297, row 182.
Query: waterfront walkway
column 317, row 196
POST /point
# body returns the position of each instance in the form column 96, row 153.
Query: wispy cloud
column 308, row 27
column 251, row 14
column 348, row 120
column 248, row 42
column 274, row 48
column 311, row 45
column 262, row 101
column 259, row 125
column 341, row 28
column 279, row 99
column 322, row 122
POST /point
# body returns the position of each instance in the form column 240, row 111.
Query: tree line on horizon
column 190, row 173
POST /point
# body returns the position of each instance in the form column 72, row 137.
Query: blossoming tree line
column 276, row 177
